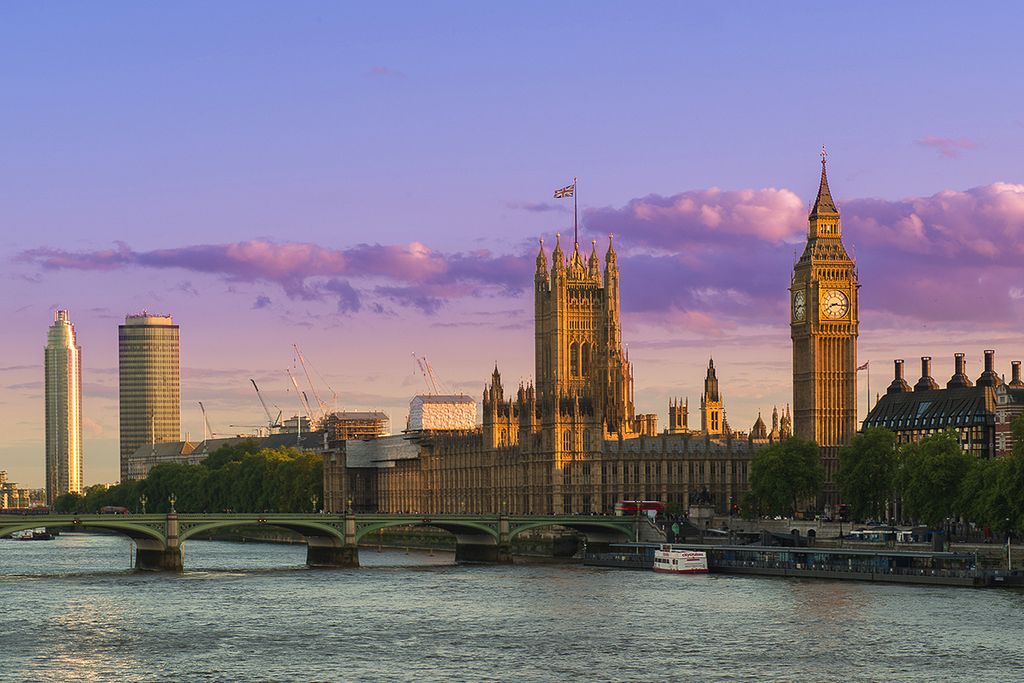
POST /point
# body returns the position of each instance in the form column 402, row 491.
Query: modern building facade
column 824, row 323
column 571, row 443
column 18, row 497
column 63, row 396
column 149, row 383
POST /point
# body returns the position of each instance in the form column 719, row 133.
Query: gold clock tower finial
column 823, row 327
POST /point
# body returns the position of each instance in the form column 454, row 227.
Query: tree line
column 927, row 481
column 235, row 478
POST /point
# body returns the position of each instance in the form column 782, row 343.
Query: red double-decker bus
column 631, row 508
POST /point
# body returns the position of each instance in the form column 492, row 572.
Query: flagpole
column 869, row 391
column 575, row 215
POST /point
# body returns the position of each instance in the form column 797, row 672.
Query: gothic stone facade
column 824, row 320
column 571, row 443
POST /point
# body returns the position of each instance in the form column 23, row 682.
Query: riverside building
column 149, row 384
column 570, row 443
column 980, row 412
column 63, row 396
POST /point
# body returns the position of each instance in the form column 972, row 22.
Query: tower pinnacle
column 823, row 204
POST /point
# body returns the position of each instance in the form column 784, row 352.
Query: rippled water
column 71, row 609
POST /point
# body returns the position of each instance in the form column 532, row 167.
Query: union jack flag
column 863, row 367
column 566, row 191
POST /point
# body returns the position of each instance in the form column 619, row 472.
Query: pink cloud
column 947, row 147
column 704, row 217
column 709, row 258
column 384, row 72
column 949, row 256
column 310, row 271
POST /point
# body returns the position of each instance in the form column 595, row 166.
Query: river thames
column 72, row 610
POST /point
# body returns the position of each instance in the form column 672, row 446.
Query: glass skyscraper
column 149, row 386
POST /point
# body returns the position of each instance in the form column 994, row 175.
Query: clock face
column 799, row 306
column 834, row 304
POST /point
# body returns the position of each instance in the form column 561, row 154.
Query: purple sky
column 369, row 183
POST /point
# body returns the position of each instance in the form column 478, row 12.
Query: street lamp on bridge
column 142, row 502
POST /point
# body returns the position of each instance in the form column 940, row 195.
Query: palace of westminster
column 572, row 442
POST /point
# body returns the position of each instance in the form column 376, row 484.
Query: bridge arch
column 307, row 529
column 593, row 529
column 470, row 530
column 137, row 531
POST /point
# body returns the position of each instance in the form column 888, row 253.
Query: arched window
column 585, row 360
column 574, row 360
column 567, row 440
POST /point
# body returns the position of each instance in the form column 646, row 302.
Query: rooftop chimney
column 926, row 382
column 1015, row 382
column 959, row 378
column 989, row 378
column 898, row 383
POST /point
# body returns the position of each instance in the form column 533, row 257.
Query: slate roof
column 934, row 409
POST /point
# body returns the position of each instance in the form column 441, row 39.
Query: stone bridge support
column 324, row 551
column 484, row 548
column 152, row 555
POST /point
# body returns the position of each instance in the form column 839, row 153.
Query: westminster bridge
column 331, row 540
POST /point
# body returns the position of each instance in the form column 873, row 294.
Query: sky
column 370, row 181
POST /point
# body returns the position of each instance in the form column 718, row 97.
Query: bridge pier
column 483, row 553
column 151, row 555
column 159, row 559
column 322, row 551
column 339, row 557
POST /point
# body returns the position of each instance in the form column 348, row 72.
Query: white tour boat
column 678, row 561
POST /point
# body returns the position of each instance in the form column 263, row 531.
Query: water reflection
column 71, row 611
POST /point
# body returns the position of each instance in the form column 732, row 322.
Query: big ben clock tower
column 823, row 315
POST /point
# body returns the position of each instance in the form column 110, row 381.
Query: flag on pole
column 567, row 191
column 863, row 367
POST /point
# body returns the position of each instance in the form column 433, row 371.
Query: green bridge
column 331, row 540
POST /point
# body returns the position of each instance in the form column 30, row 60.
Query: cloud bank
column 409, row 275
column 706, row 258
column 950, row 256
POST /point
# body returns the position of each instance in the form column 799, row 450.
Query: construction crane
column 260, row 429
column 271, row 422
column 323, row 407
column 434, row 385
column 302, row 397
column 207, row 431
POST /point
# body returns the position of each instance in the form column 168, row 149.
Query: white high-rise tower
column 63, row 367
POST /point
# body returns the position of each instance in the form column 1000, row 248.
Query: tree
column 867, row 473
column 783, row 474
column 931, row 474
column 240, row 477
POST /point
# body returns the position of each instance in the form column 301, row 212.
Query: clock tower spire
column 824, row 320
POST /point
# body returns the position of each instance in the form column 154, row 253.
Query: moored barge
column 883, row 565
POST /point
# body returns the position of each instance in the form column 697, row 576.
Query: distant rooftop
column 443, row 398
column 147, row 318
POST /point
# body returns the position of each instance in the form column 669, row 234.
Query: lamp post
column 172, row 499
column 142, row 502
column 1009, row 564
column 314, row 500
